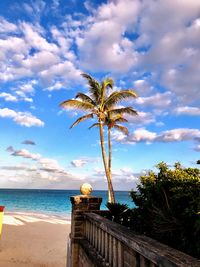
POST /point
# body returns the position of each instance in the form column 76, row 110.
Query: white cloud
column 14, row 46
column 25, row 154
column 192, row 111
column 41, row 61
column 78, row 163
column 22, row 118
column 159, row 100
column 50, row 165
column 8, row 97
column 142, row 118
column 56, row 86
column 113, row 51
column 6, row 26
column 118, row 136
column 65, row 70
column 34, row 9
column 181, row 134
column 34, row 38
column 46, row 173
column 142, row 87
column 63, row 43
column 120, row 176
column 170, row 41
column 30, row 54
column 143, row 135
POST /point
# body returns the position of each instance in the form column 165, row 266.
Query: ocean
column 50, row 202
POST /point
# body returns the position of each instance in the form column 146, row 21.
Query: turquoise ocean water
column 49, row 202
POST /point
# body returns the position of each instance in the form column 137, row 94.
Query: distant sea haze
column 50, row 202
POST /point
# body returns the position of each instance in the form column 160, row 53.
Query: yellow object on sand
column 1, row 218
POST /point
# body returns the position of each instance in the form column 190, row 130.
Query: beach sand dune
column 34, row 241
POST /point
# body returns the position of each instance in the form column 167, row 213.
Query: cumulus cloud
column 112, row 50
column 25, row 154
column 174, row 135
column 22, row 118
column 32, row 54
column 143, row 135
column 18, row 168
column 65, row 70
column 50, row 165
column 45, row 164
column 142, row 118
column 46, row 173
column 8, row 97
column 122, row 176
column 6, row 26
column 191, row 111
column 78, row 163
column 158, row 100
column 141, row 38
column 142, row 87
column 172, row 49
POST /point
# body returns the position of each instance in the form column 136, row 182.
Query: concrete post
column 80, row 205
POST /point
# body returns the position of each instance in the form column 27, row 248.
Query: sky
column 151, row 46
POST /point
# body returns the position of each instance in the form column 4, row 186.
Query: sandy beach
column 34, row 240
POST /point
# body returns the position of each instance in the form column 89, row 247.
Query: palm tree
column 112, row 122
column 99, row 104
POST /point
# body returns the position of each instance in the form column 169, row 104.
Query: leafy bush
column 119, row 213
column 168, row 207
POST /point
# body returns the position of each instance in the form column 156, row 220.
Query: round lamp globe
column 86, row 189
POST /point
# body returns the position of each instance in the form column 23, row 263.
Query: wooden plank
column 157, row 253
column 114, row 248
column 106, row 246
column 110, row 254
column 119, row 254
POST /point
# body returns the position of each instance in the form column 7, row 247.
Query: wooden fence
column 106, row 243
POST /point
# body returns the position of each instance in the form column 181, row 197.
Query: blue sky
column 150, row 46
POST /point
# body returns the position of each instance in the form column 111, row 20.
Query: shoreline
column 34, row 240
column 39, row 215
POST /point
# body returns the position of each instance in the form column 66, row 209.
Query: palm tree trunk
column 111, row 197
column 109, row 150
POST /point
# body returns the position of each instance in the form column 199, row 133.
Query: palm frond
column 94, row 87
column 121, row 111
column 121, row 128
column 116, row 117
column 121, row 120
column 118, row 96
column 84, row 97
column 83, row 118
column 108, row 82
column 94, row 125
column 77, row 104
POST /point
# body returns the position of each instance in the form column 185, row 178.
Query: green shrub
column 119, row 213
column 168, row 207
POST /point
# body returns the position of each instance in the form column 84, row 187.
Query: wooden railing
column 115, row 246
